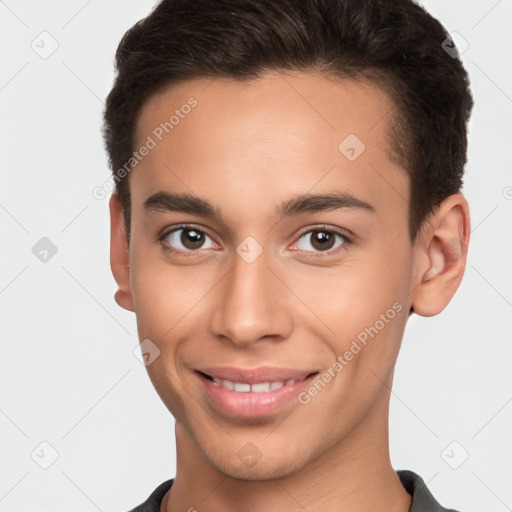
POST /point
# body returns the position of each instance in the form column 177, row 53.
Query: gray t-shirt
column 422, row 499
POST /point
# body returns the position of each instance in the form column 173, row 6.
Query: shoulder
column 422, row 498
column 152, row 504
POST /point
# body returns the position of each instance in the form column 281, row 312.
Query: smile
column 269, row 391
column 258, row 387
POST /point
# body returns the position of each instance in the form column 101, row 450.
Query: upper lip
column 255, row 375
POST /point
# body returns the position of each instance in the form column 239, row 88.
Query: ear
column 119, row 254
column 440, row 256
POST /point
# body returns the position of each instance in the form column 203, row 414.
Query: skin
column 246, row 147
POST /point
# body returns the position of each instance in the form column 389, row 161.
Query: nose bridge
column 250, row 301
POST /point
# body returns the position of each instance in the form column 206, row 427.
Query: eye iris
column 322, row 240
column 191, row 238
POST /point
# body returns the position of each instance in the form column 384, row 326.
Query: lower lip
column 251, row 404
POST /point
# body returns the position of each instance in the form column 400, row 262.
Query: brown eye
column 321, row 240
column 187, row 239
column 191, row 238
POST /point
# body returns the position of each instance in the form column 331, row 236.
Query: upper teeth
column 259, row 387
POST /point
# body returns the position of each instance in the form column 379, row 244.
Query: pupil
column 191, row 238
column 322, row 240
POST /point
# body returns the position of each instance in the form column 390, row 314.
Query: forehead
column 273, row 100
column 278, row 134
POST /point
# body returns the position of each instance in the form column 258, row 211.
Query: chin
column 259, row 471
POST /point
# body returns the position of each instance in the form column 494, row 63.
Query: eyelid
column 164, row 233
column 168, row 230
column 347, row 236
column 345, row 233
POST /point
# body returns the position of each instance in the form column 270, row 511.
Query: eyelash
column 322, row 228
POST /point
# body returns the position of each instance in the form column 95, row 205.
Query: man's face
column 250, row 288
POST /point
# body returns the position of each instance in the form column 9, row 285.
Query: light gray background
column 68, row 374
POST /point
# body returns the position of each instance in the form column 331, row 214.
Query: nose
column 252, row 302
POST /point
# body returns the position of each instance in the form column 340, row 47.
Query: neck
column 355, row 474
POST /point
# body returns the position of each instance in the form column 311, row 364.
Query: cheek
column 358, row 290
column 163, row 294
column 361, row 307
column 378, row 315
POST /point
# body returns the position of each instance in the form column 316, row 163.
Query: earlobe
column 441, row 251
column 119, row 255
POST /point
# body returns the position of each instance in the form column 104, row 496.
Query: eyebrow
column 187, row 203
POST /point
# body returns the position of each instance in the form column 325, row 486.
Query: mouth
column 254, row 387
column 258, row 393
